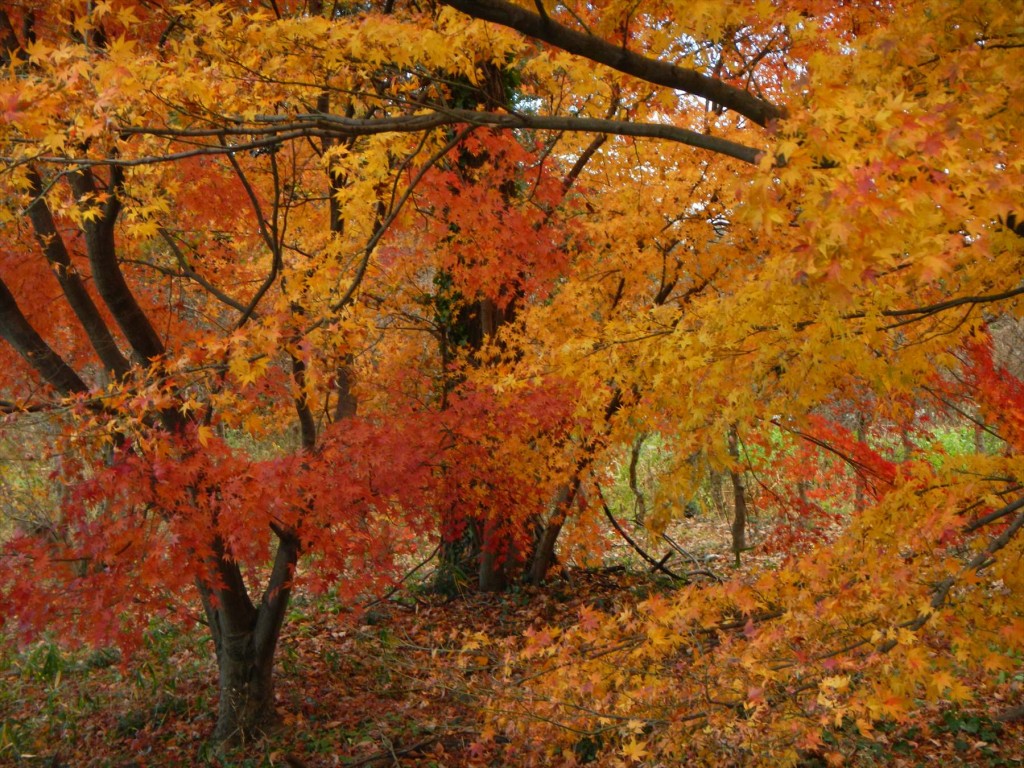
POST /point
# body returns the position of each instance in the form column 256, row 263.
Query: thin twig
column 658, row 565
column 402, row 580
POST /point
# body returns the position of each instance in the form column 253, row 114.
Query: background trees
column 343, row 280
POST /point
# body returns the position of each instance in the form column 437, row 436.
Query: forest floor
column 387, row 686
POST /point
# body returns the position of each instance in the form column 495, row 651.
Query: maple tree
column 338, row 279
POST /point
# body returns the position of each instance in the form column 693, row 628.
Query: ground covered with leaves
column 401, row 682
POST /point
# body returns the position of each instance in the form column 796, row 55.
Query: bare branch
column 186, row 271
column 392, row 215
column 272, row 130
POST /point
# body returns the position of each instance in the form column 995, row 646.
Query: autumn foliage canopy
column 294, row 293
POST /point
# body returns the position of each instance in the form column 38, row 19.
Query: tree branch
column 981, row 522
column 71, row 283
column 20, row 334
column 106, row 272
column 615, row 56
column 186, row 271
column 655, row 564
column 270, row 130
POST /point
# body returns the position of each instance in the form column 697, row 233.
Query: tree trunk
column 979, row 439
column 639, row 502
column 245, row 638
column 715, row 490
column 739, row 517
column 861, row 487
column 458, row 556
column 246, row 682
column 467, row 543
column 492, row 554
column 543, row 556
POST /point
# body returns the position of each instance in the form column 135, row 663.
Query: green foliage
column 53, row 700
column 964, row 440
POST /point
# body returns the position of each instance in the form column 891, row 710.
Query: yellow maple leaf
column 204, row 434
column 634, row 750
column 939, row 682
column 635, row 726
column 905, row 637
column 958, row 692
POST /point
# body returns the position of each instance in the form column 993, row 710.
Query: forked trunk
column 245, row 637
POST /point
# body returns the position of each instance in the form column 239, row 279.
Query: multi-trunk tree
column 253, row 261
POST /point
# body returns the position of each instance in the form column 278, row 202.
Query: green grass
column 73, row 706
